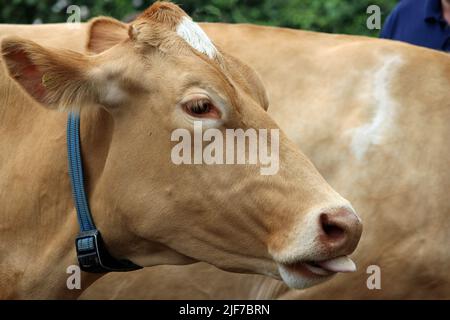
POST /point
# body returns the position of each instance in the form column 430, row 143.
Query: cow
column 374, row 116
column 323, row 89
column 164, row 75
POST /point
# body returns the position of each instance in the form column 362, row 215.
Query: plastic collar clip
column 94, row 257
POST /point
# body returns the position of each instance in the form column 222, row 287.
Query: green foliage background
column 336, row 16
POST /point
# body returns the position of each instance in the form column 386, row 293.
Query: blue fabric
column 76, row 173
column 418, row 22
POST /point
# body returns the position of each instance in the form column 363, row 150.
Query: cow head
column 162, row 74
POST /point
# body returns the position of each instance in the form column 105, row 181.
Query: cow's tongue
column 341, row 264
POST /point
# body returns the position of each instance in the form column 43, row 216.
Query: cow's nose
column 340, row 230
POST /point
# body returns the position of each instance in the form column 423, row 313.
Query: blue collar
column 91, row 250
column 433, row 10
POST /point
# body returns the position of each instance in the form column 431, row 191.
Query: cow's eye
column 201, row 108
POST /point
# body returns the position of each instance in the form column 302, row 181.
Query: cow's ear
column 54, row 78
column 104, row 33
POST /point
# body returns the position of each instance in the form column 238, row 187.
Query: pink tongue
column 341, row 264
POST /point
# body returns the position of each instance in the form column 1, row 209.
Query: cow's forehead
column 194, row 35
column 175, row 19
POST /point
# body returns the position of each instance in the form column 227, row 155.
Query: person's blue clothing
column 418, row 22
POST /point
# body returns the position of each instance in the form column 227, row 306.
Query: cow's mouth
column 307, row 273
column 323, row 268
column 315, row 269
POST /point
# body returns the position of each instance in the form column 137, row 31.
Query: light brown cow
column 374, row 116
column 320, row 87
column 163, row 75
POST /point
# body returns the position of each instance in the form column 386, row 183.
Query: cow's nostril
column 340, row 230
column 332, row 230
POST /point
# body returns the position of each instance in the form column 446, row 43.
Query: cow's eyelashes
column 201, row 108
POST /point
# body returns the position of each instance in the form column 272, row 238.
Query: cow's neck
column 38, row 222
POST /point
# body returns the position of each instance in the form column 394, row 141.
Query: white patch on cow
column 110, row 91
column 113, row 94
column 196, row 37
column 384, row 110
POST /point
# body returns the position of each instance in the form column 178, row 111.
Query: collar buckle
column 93, row 256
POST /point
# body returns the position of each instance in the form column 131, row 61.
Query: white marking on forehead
column 196, row 37
column 384, row 110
